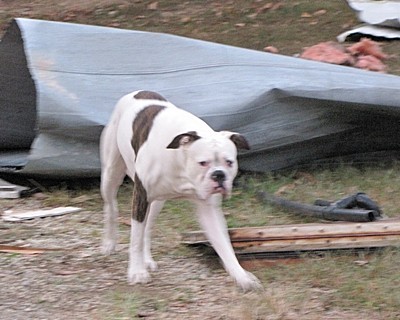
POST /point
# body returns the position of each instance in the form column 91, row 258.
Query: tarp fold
column 60, row 81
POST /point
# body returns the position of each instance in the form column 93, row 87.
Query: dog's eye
column 229, row 163
column 203, row 163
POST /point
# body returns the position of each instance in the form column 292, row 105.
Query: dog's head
column 211, row 161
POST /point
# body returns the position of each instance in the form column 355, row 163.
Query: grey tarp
column 292, row 111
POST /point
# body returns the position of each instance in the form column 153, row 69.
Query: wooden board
column 308, row 237
column 32, row 214
column 24, row 250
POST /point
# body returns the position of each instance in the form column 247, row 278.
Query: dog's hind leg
column 112, row 174
column 155, row 208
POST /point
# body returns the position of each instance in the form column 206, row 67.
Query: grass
column 288, row 25
column 126, row 305
column 335, row 279
column 358, row 282
column 346, row 284
column 343, row 283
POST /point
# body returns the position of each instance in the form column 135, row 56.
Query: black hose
column 322, row 212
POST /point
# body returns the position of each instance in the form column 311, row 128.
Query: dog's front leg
column 155, row 208
column 137, row 271
column 213, row 223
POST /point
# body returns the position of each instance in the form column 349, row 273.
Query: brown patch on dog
column 149, row 95
column 142, row 125
column 139, row 201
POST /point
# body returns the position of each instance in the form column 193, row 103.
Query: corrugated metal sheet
column 60, row 81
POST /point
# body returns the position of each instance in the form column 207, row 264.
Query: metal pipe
column 322, row 212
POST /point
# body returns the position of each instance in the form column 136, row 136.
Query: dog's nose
column 218, row 176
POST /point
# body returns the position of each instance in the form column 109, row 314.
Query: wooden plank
column 309, row 237
column 299, row 231
column 31, row 214
column 316, row 230
column 23, row 250
column 315, row 244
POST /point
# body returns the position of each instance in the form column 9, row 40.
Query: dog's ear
column 183, row 139
column 239, row 141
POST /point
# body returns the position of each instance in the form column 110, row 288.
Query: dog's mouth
column 219, row 187
column 213, row 188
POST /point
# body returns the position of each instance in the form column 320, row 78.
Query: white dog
column 168, row 153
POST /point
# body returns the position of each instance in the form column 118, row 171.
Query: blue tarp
column 59, row 83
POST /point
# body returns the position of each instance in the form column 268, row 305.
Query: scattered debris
column 81, row 199
column 361, row 262
column 370, row 63
column 10, row 191
column 269, row 6
column 125, row 221
column 365, row 54
column 319, row 13
column 367, row 47
column 306, row 15
column 329, row 52
column 22, row 250
column 285, row 189
column 153, row 6
column 186, row 20
column 374, row 31
column 40, row 196
column 359, row 200
column 290, row 240
column 382, row 13
column 64, row 272
column 11, row 216
column 381, row 18
column 356, row 208
column 271, row 49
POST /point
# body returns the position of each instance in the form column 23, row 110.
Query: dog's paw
column 248, row 282
column 151, row 264
column 108, row 247
column 138, row 276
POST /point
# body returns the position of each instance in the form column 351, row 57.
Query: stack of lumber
column 294, row 239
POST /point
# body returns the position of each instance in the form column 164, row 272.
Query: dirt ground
column 75, row 281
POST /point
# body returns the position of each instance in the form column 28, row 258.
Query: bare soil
column 75, row 281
